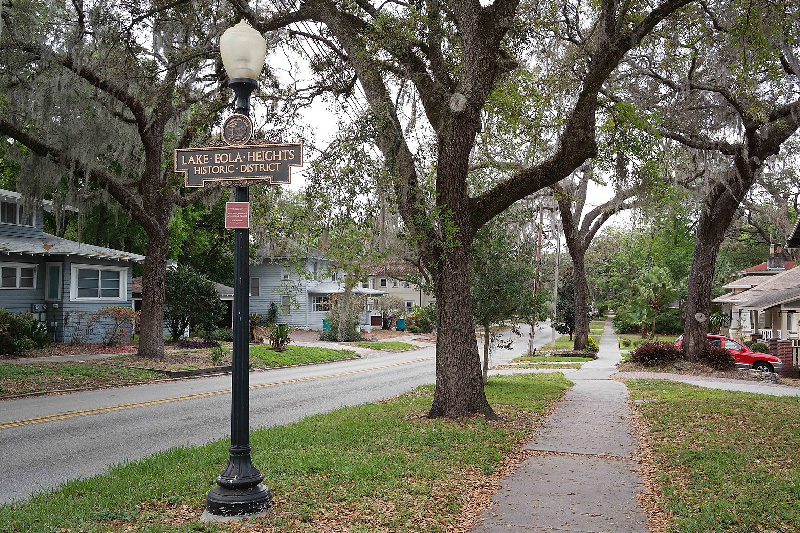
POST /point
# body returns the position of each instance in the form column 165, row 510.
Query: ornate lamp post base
column 226, row 505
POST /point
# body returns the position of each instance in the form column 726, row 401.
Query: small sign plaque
column 268, row 162
column 237, row 215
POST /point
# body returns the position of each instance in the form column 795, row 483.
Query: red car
column 744, row 356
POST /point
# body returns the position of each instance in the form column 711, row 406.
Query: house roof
column 794, row 239
column 728, row 298
column 47, row 204
column 747, row 282
column 762, row 267
column 48, row 245
column 395, row 268
column 778, row 289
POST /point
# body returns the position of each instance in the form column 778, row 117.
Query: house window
column 255, row 287
column 394, row 283
column 52, row 289
column 285, row 274
column 409, row 305
column 383, row 282
column 791, row 321
column 17, row 276
column 365, row 284
column 12, row 213
column 406, row 285
column 333, row 275
column 286, row 305
column 321, row 303
column 90, row 282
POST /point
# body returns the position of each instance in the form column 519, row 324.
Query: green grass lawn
column 564, row 343
column 549, row 365
column 553, row 359
column 385, row 345
column 375, row 467
column 262, row 356
column 726, row 461
column 37, row 377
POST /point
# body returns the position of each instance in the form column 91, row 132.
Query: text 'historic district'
column 266, row 162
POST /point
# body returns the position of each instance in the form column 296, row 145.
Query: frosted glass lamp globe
column 243, row 50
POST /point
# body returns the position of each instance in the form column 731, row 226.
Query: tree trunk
column 486, row 343
column 581, row 299
column 154, row 274
column 711, row 230
column 459, row 381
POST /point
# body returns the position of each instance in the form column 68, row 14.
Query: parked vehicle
column 745, row 357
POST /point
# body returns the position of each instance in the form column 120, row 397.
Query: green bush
column 625, row 342
column 655, row 354
column 421, row 319
column 19, row 332
column 717, row 358
column 622, row 325
column 669, row 323
column 592, row 345
column 279, row 337
column 757, row 346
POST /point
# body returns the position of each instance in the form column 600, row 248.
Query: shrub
column 218, row 355
column 622, row 325
column 669, row 323
column 592, row 345
column 19, row 332
column 655, row 354
column 279, row 337
column 421, row 319
column 758, row 347
column 120, row 322
column 626, row 342
column 190, row 298
column 717, row 358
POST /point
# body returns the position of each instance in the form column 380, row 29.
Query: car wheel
column 763, row 366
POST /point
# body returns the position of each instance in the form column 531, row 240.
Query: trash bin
column 325, row 325
column 401, row 324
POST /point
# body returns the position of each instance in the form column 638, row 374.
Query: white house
column 301, row 285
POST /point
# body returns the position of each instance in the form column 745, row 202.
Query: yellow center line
column 99, row 410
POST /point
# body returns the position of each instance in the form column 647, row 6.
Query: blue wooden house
column 61, row 282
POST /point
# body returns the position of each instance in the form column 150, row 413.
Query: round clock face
column 237, row 130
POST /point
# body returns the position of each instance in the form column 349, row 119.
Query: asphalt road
column 47, row 440
column 58, row 438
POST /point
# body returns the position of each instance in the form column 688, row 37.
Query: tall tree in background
column 453, row 54
column 100, row 93
column 502, row 276
column 579, row 230
column 734, row 102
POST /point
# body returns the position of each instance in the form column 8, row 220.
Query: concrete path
column 583, row 476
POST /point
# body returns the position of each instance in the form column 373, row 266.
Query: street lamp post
column 239, row 491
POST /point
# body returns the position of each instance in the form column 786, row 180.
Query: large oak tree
column 454, row 53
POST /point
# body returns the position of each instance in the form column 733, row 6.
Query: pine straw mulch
column 698, row 369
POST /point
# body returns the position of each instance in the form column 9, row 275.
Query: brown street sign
column 268, row 162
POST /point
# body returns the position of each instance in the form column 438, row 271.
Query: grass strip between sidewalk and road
column 724, row 461
column 27, row 378
column 18, row 379
column 396, row 346
column 380, row 467
column 263, row 356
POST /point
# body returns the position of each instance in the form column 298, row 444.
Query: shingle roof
column 747, row 282
column 728, row 298
column 778, row 289
column 48, row 245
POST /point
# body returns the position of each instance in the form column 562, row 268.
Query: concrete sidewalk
column 584, row 477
